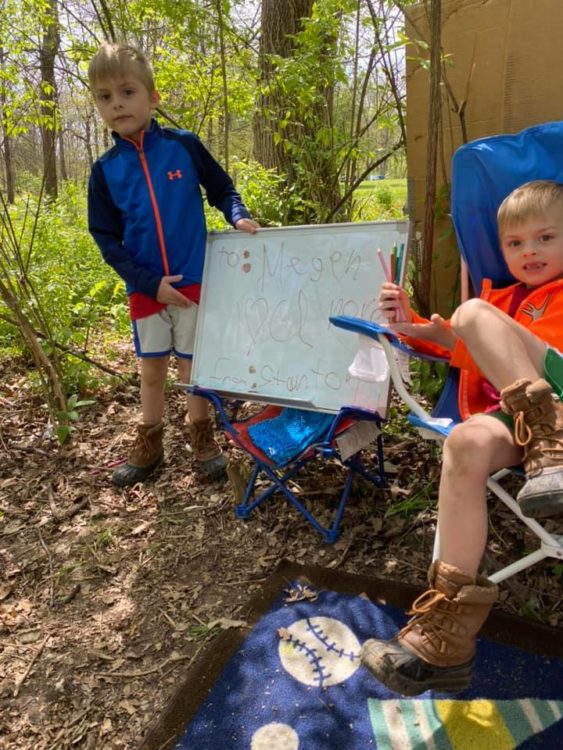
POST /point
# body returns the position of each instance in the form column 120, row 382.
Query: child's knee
column 469, row 313
column 154, row 371
column 467, row 448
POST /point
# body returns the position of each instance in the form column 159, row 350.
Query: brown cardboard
column 505, row 60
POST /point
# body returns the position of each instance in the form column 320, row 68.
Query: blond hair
column 114, row 60
column 529, row 201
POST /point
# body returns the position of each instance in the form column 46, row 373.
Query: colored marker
column 386, row 272
column 399, row 267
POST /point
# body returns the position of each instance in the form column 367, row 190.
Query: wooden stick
column 25, row 675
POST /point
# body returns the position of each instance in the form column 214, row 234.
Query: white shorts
column 171, row 330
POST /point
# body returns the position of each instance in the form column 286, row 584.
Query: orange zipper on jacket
column 144, row 165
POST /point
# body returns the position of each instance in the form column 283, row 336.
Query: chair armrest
column 387, row 340
column 375, row 330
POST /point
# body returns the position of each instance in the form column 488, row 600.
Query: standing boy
column 145, row 211
column 507, row 345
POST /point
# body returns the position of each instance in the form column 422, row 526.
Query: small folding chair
column 484, row 172
column 340, row 436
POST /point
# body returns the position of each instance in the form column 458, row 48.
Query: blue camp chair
column 484, row 172
column 281, row 463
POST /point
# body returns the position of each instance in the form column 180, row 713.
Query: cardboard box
column 505, row 66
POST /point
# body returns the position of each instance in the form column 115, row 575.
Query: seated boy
column 511, row 380
column 145, row 211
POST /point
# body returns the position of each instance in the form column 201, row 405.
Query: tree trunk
column 224, row 83
column 89, row 149
column 62, row 158
column 422, row 290
column 295, row 149
column 7, row 144
column 48, row 97
column 280, row 22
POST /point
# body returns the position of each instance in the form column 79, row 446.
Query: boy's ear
column 154, row 99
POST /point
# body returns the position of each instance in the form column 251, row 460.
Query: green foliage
column 428, row 378
column 299, row 92
column 265, row 194
column 419, row 500
column 384, row 197
column 207, row 69
column 26, row 99
column 203, row 631
column 380, row 200
column 79, row 295
column 66, row 418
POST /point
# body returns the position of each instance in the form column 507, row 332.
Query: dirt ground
column 107, row 596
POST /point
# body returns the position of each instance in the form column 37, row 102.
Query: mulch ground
column 107, row 596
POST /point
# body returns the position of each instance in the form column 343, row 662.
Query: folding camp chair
column 484, row 172
column 341, row 436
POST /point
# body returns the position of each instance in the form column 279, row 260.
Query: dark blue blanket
column 296, row 684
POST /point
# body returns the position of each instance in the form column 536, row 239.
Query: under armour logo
column 174, row 175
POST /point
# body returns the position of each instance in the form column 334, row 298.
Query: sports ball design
column 319, row 651
column 275, row 736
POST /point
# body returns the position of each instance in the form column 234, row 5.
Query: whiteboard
column 263, row 330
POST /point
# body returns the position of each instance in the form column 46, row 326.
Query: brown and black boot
column 538, row 429
column 146, row 455
column 207, row 452
column 436, row 648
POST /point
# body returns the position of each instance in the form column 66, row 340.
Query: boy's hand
column 394, row 303
column 167, row 295
column 247, row 225
column 436, row 331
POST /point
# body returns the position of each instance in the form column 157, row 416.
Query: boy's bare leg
column 474, row 450
column 504, row 350
column 198, row 407
column 153, row 379
column 435, row 649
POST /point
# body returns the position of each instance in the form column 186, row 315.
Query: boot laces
column 423, row 611
column 548, row 445
column 522, row 432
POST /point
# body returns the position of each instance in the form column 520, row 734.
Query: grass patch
column 379, row 200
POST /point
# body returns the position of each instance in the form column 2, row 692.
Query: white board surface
column 263, row 331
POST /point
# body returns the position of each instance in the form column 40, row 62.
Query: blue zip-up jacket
column 145, row 208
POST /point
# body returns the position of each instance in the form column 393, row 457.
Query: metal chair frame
column 280, row 477
column 431, row 427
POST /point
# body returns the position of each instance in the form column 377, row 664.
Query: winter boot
column 538, row 428
column 145, row 456
column 207, row 453
column 435, row 649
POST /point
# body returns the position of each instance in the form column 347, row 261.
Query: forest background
column 302, row 102
column 107, row 596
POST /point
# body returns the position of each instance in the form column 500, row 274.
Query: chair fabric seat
column 240, row 435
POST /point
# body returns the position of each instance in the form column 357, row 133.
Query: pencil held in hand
column 386, row 271
column 391, row 300
column 399, row 316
